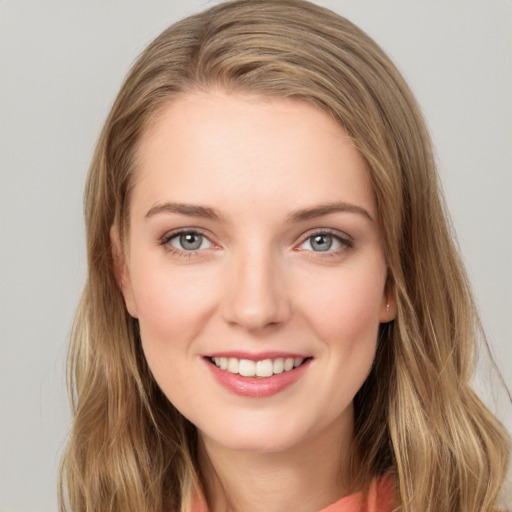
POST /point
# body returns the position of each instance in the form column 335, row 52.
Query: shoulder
column 381, row 495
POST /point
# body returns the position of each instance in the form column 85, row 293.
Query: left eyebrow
column 326, row 209
column 191, row 210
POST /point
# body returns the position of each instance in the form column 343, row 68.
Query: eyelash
column 346, row 242
column 166, row 239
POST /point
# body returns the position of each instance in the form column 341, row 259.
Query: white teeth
column 288, row 364
column 232, row 365
column 279, row 365
column 247, row 368
column 263, row 368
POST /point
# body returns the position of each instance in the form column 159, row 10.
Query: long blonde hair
column 416, row 415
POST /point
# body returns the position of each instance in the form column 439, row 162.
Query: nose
column 256, row 295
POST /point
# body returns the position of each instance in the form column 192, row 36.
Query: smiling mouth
column 263, row 369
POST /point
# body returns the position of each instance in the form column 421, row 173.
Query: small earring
column 387, row 308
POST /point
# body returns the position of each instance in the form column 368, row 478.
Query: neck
column 304, row 478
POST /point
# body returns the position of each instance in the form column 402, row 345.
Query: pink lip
column 255, row 387
column 260, row 356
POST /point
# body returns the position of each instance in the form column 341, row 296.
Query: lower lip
column 257, row 387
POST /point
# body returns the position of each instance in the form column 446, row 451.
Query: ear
column 388, row 307
column 120, row 270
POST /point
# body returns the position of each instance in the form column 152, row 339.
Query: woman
column 275, row 315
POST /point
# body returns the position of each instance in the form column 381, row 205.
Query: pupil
column 191, row 241
column 321, row 242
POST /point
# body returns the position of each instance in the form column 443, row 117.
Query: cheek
column 345, row 305
column 171, row 306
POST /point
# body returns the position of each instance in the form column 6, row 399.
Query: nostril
column 254, row 300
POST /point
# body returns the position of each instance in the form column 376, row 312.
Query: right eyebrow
column 191, row 210
column 326, row 209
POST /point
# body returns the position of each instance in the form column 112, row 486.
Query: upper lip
column 259, row 356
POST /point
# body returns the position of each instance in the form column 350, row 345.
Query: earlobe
column 388, row 305
column 389, row 311
column 120, row 270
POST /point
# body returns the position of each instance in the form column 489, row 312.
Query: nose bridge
column 256, row 295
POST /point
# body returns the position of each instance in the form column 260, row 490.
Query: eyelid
column 345, row 239
column 169, row 235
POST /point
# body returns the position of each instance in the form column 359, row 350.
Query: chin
column 256, row 444
column 258, row 435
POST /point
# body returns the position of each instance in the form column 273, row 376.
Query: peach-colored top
column 379, row 498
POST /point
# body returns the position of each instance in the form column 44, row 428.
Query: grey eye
column 190, row 241
column 321, row 242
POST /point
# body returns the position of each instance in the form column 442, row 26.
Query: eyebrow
column 326, row 209
column 185, row 209
column 302, row 215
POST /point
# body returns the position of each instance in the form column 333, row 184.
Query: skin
column 257, row 284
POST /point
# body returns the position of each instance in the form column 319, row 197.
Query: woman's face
column 255, row 268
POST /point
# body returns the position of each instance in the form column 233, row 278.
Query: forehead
column 204, row 147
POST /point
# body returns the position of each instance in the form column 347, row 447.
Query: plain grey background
column 62, row 62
